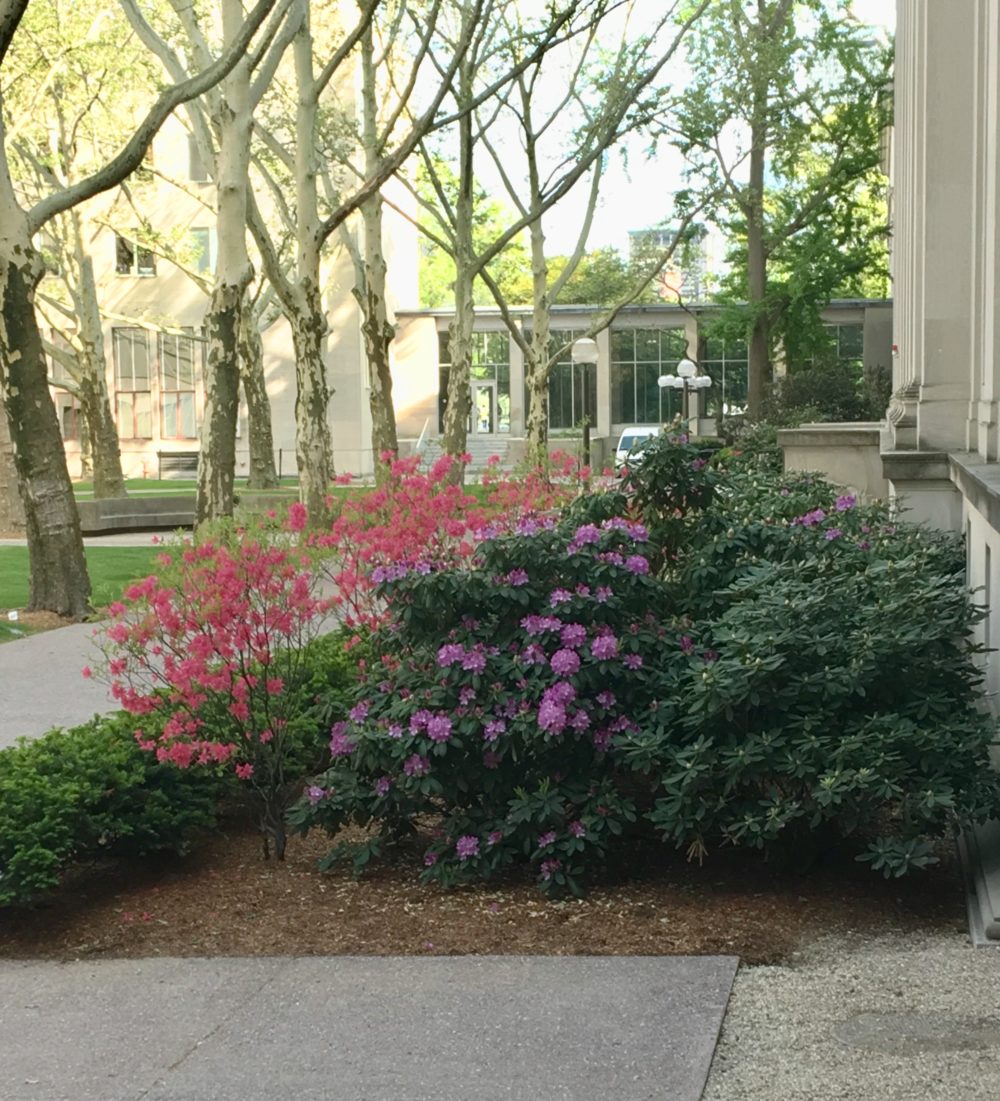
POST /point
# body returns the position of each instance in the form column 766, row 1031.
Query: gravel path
column 891, row 1020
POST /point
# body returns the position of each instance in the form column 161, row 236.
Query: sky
column 639, row 195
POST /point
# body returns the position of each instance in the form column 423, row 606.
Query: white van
column 633, row 439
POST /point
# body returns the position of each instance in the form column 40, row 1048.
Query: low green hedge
column 89, row 791
column 73, row 795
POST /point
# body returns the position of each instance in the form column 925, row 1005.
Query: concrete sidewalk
column 362, row 1029
column 42, row 684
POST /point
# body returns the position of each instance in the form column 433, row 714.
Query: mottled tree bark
column 537, row 361
column 59, row 581
column 217, row 456
column 11, row 508
column 263, row 474
column 95, row 401
column 313, row 448
column 376, row 331
column 454, row 438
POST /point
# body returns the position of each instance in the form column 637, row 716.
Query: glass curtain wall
column 638, row 358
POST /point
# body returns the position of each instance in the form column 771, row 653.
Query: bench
column 176, row 464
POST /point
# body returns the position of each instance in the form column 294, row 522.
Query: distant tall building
column 693, row 269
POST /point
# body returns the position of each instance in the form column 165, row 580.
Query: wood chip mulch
column 225, row 900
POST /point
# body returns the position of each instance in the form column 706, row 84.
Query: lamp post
column 584, row 352
column 686, row 379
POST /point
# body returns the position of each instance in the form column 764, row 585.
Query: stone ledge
column 979, row 482
column 916, row 466
column 841, row 434
column 136, row 514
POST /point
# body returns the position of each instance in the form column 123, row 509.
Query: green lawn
column 111, row 569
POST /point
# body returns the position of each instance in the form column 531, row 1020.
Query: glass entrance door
column 484, row 408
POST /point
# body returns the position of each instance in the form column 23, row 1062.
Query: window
column 638, row 358
column 197, row 169
column 490, row 363
column 566, row 383
column 724, row 360
column 133, row 259
column 201, row 243
column 134, row 408
column 69, row 418
column 177, row 420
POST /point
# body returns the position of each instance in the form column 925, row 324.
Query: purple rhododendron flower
column 493, row 729
column 710, row 655
column 601, row 740
column 587, row 533
column 419, row 720
column 848, row 501
column 604, row 647
column 474, row 662
column 466, row 696
column 559, row 596
column 562, row 693
column 439, row 728
column 546, row 839
column 430, row 859
column 632, row 661
column 606, row 699
column 565, row 662
column 527, row 527
column 467, row 847
column 416, row 765
column 580, row 720
column 341, row 743
column 449, row 654
column 314, row 794
column 573, row 634
column 613, row 557
column 517, row 578
column 395, row 731
column 686, row 643
column 864, row 545
column 697, row 464
column 552, row 717
column 603, row 594
column 577, row 829
column 533, row 655
column 494, row 838
column 359, row 712
column 832, row 533
column 550, row 867
column 382, row 785
column 637, row 564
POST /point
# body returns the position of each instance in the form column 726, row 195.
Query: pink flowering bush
column 210, row 650
column 422, row 517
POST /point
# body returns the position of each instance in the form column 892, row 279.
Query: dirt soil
column 224, row 900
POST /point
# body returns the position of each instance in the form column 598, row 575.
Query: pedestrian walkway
column 42, row 683
column 473, row 1028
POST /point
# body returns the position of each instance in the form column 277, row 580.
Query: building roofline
column 664, row 308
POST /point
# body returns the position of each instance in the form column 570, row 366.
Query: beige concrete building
column 154, row 314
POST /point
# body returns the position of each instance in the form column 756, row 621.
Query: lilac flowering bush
column 501, row 730
column 761, row 660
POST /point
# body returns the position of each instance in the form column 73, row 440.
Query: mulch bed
column 224, row 900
